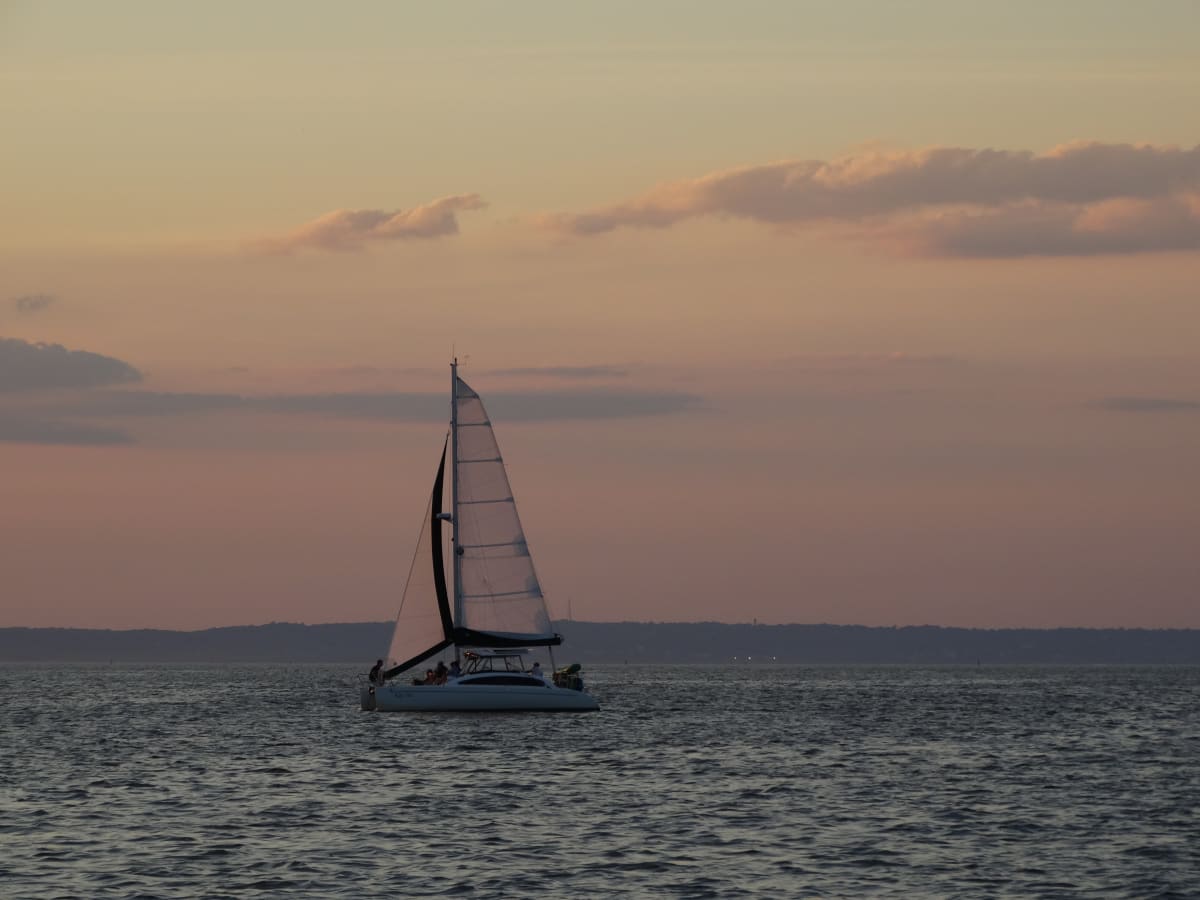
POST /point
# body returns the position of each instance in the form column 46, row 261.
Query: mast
column 455, row 551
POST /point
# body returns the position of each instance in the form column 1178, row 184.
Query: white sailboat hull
column 454, row 697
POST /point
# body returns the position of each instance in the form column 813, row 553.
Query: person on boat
column 430, row 678
column 439, row 676
column 375, row 677
column 536, row 671
column 454, row 671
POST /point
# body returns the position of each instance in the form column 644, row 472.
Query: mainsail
column 497, row 598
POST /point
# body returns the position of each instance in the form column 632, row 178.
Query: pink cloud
column 352, row 229
column 1125, row 225
column 1077, row 198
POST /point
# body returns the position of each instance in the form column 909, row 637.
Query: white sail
column 497, row 590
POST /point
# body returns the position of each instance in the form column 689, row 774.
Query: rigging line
column 532, row 594
column 425, row 523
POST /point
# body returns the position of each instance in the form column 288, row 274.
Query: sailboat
column 483, row 602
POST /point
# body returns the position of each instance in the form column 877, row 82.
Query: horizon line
column 558, row 622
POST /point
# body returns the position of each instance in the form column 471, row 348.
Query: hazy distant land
column 640, row 642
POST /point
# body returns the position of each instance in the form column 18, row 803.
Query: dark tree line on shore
column 633, row 642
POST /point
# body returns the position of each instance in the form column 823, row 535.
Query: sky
column 850, row 312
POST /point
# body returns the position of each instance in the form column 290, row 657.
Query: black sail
column 424, row 625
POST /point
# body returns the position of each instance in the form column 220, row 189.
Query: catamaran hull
column 481, row 698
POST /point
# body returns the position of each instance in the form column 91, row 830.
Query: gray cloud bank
column 532, row 406
column 51, row 421
column 564, row 371
column 1149, row 404
column 868, row 361
column 45, row 388
column 353, row 229
column 25, row 367
column 25, row 430
column 1077, row 199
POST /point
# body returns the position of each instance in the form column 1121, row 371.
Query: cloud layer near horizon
column 1149, row 404
column 400, row 406
column 598, row 371
column 45, row 387
column 1077, row 199
column 353, row 229
column 54, row 421
column 26, row 367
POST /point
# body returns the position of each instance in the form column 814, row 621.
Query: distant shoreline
column 632, row 642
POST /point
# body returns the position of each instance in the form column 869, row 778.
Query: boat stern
column 366, row 695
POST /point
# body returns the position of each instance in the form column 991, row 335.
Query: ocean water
column 266, row 781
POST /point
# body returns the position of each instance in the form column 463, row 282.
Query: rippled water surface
column 260, row 781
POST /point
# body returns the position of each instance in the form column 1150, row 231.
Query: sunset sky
column 851, row 312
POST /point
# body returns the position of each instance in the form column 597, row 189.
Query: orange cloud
column 352, row 229
column 1078, row 198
